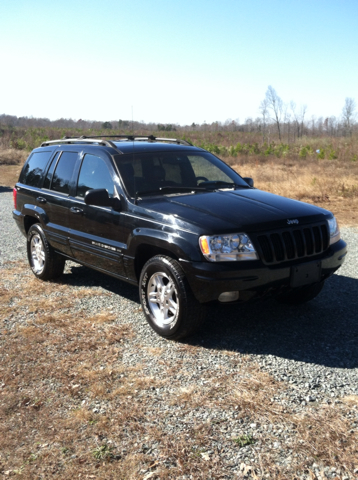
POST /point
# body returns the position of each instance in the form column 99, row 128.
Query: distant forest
column 277, row 120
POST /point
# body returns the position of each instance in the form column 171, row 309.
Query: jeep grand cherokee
column 174, row 220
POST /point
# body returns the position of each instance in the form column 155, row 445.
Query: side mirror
column 100, row 198
column 249, row 181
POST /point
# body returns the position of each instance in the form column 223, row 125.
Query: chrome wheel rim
column 38, row 255
column 162, row 299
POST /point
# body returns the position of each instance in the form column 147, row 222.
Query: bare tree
column 320, row 125
column 293, row 110
column 299, row 118
column 349, row 114
column 287, row 120
column 275, row 104
column 302, row 116
column 249, row 124
column 313, row 125
column 332, row 125
column 264, row 113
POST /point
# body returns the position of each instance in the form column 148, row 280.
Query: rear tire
column 45, row 263
column 297, row 296
column 168, row 303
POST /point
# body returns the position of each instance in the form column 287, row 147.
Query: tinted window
column 63, row 172
column 47, row 181
column 94, row 174
column 205, row 169
column 32, row 171
column 147, row 172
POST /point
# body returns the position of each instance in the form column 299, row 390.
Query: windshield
column 150, row 172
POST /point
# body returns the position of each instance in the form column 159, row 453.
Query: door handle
column 41, row 199
column 76, row 210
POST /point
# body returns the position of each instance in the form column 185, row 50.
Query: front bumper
column 253, row 278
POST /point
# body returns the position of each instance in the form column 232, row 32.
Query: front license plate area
column 305, row 274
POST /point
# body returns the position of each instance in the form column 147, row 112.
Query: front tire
column 45, row 263
column 168, row 303
column 298, row 296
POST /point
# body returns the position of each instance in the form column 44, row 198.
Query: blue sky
column 175, row 62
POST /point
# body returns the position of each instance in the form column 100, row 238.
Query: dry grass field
column 329, row 184
column 11, row 162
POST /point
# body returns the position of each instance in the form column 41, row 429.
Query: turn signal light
column 204, row 245
column 14, row 196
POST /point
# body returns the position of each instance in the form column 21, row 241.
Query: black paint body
column 118, row 241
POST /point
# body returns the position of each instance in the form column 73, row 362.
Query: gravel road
column 312, row 348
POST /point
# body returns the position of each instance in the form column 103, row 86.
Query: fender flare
column 34, row 211
column 180, row 243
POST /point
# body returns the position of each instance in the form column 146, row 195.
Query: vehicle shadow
column 323, row 331
column 5, row 189
column 81, row 276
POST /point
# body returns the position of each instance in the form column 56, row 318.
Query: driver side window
column 94, row 174
column 206, row 170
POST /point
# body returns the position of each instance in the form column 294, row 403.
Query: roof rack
column 172, row 140
column 151, row 138
column 100, row 140
column 82, row 139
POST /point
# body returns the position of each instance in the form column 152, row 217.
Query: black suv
column 173, row 219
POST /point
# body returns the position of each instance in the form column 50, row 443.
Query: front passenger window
column 94, row 174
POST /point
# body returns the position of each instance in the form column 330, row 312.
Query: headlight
column 334, row 232
column 227, row 248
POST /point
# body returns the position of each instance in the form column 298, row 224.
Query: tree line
column 291, row 121
column 276, row 119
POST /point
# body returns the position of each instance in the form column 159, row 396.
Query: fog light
column 228, row 296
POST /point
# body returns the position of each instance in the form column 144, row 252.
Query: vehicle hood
column 249, row 209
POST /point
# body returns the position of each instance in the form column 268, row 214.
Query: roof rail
column 82, row 139
column 138, row 138
column 173, row 140
column 100, row 140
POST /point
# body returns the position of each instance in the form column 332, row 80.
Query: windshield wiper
column 170, row 189
column 213, row 184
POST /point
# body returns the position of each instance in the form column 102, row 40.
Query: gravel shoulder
column 311, row 351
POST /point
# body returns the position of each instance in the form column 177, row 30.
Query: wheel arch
column 45, row 263
column 146, row 243
column 144, row 252
column 29, row 220
column 32, row 215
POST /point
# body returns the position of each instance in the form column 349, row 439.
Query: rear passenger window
column 32, row 172
column 63, row 173
column 47, row 181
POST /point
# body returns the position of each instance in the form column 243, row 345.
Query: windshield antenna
column 132, row 122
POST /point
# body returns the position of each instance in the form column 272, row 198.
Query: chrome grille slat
column 293, row 243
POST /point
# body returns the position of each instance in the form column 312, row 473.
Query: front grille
column 293, row 243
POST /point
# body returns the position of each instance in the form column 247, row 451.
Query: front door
column 96, row 235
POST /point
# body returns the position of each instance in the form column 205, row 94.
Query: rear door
column 96, row 234
column 56, row 200
column 30, row 183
